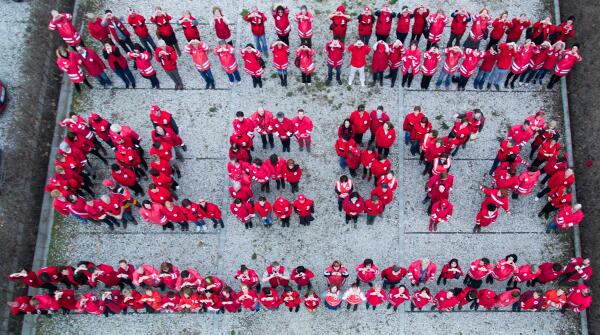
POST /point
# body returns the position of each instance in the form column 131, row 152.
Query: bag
column 261, row 62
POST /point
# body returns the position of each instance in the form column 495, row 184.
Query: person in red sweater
column 264, row 209
column 61, row 22
column 143, row 62
column 304, row 60
column 154, row 213
column 292, row 173
column 138, row 22
column 189, row 25
column 96, row 29
column 197, row 50
column 579, row 298
column 373, row 208
column 441, row 211
column 358, row 60
column 366, row 20
column 397, row 296
column 283, row 210
column 126, row 177
column 411, row 63
column 445, row 301
column 303, row 127
column 257, row 21
column 504, row 59
column 392, row 276
column 480, row 268
column 460, row 20
column 164, row 30
column 311, row 301
column 380, row 61
column 375, row 296
column 243, row 211
column 421, row 299
column 579, row 268
column 500, row 26
column 167, row 57
column 486, row 298
column 431, row 59
column 450, row 270
column 118, row 63
column 353, row 205
column 486, row 67
column 339, row 23
column 335, row 57
column 568, row 216
column 69, row 62
column 304, row 207
column 403, row 26
column 281, row 53
column 269, row 298
column 385, row 137
column 302, row 277
column 564, row 31
column 419, row 22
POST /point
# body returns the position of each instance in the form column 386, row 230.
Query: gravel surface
column 400, row 236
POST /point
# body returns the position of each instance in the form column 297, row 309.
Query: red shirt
column 359, row 55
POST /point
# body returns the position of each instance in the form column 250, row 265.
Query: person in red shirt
column 243, row 211
column 61, row 22
column 486, row 67
column 380, row 61
column 339, row 23
column 263, row 209
column 257, row 21
column 117, row 30
column 118, row 63
column 281, row 54
column 311, row 301
column 303, row 127
column 373, row 208
column 283, row 128
column 358, row 60
column 353, row 206
column 143, row 62
column 441, row 211
column 411, row 64
column 253, row 61
column 518, row 24
column 189, row 25
column 566, row 217
column 304, row 19
column 126, row 177
column 138, row 22
column 197, row 50
column 335, row 56
column 507, row 148
column 397, row 296
column 96, row 29
column 500, row 26
column 579, row 298
column 403, row 26
column 167, row 57
column 70, row 63
column 469, row 63
column 431, row 59
column 480, row 268
column 392, row 276
column 460, row 19
column 283, row 210
column 450, row 270
column 302, row 277
column 385, row 137
column 421, row 299
column 221, row 25
column 304, row 207
column 486, row 298
column 564, row 31
column 269, row 298
column 164, row 30
column 419, row 22
column 304, row 61
column 291, row 299
column 366, row 20
column 282, row 22
column 375, row 296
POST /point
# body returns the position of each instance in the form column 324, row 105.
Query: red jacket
column 353, row 208
column 375, row 298
column 125, row 177
column 421, row 301
column 379, row 62
column 262, row 210
column 403, row 26
column 469, row 63
column 521, row 59
column 459, row 23
column 396, row 298
column 506, row 299
column 411, row 60
column 443, row 303
column 360, row 122
column 395, row 56
column 379, row 168
column 163, row 25
column 190, row 28
column 97, row 30
column 282, row 22
column 198, row 54
column 389, row 275
column 243, row 212
column 70, row 66
column 222, row 28
column 478, row 27
column 335, row 55
column 564, row 31
column 271, row 301
column 499, row 28
column 304, row 25
column 358, row 55
column 113, row 24
column 339, row 24
column 138, row 22
column 576, row 301
column 430, row 63
column 168, row 61
column 365, row 24
column 385, row 139
column 280, row 56
column 529, row 302
column 282, row 208
column 292, row 175
column 305, row 57
column 251, row 62
column 291, row 300
column 504, row 56
column 419, row 20
column 385, row 18
column 257, row 22
column 547, row 274
column 302, row 279
column 486, row 298
column 524, row 274
column 283, row 129
column 161, row 195
column 542, row 29
column 451, row 273
column 305, row 208
column 478, row 271
column 414, row 272
column 566, row 219
column 566, row 63
column 503, row 270
column 385, row 197
column 143, row 61
column 226, row 54
column 437, row 23
column 65, row 29
column 516, row 29
column 154, row 215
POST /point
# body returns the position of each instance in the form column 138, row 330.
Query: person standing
column 283, row 211
column 304, row 60
column 143, row 61
column 353, row 205
column 395, row 58
column 96, row 29
column 280, row 14
column 69, row 62
column 358, row 60
column 361, row 122
column 304, row 19
column 542, row 30
column 303, row 127
column 197, row 49
column 486, row 67
column 366, row 19
column 167, row 57
column 354, row 297
column 189, row 25
column 565, row 64
column 118, row 63
column 283, row 128
column 419, row 22
column 339, row 23
column 468, row 66
column 411, row 63
column 281, row 53
column 61, row 22
column 499, row 27
column 431, row 59
column 221, row 25
column 564, row 31
column 226, row 54
column 383, row 24
column 520, row 63
column 164, row 30
column 253, row 64
column 257, row 21
column 385, row 138
column 437, row 22
column 517, row 26
column 460, row 20
column 453, row 56
column 304, row 207
column 479, row 29
column 292, row 173
column 403, row 26
column 138, row 22
column 93, row 65
column 335, row 56
column 263, row 119
column 119, row 33
column 504, row 58
column 380, row 61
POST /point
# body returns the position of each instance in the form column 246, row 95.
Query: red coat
column 226, row 54
column 411, row 60
column 375, row 298
column 125, row 177
column 403, row 26
column 257, row 22
column 248, row 300
column 262, row 210
column 307, row 65
column 564, row 31
column 439, row 214
column 566, row 63
column 163, row 25
column 302, row 127
column 365, row 24
column 280, row 56
column 291, row 300
column 251, row 62
column 527, row 182
column 65, row 29
column 161, row 195
column 451, row 273
column 243, row 212
column 521, row 59
column 222, row 28
column 430, row 63
column 478, row 27
column 516, row 29
column 437, row 23
column 249, row 279
column 360, row 121
column 489, row 60
column 97, row 30
column 395, row 56
column 353, row 208
column 396, row 298
column 385, row 139
column 168, row 61
column 529, row 302
column 302, row 279
column 469, row 63
column 304, row 25
column 339, row 24
column 542, row 29
column 421, row 301
column 547, row 273
column 305, row 208
column 506, row 299
column 503, row 270
column 230, row 301
column 389, row 275
column 154, row 215
column 311, row 302
column 385, row 197
column 383, row 25
column 499, row 28
column 377, row 121
column 443, row 303
column 414, row 272
column 275, row 281
column 190, row 28
column 478, row 271
column 486, row 298
column 113, row 24
column 335, row 55
column 459, row 23
column 379, row 168
column 138, row 22
column 244, row 193
column 566, row 219
column 209, row 210
column 419, row 20
column 282, row 208
column 271, row 301
column 292, row 175
column 504, row 56
column 576, row 301
column 283, row 129
column 198, row 54
column 379, row 62
column 70, row 66
column 577, row 270
column 143, row 61
column 282, row 22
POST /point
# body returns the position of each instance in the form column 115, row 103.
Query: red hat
column 93, row 115
column 301, row 197
column 341, row 8
column 154, row 108
column 108, row 183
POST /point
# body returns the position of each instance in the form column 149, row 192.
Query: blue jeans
column 282, row 72
column 552, row 227
column 103, row 79
column 148, row 42
column 444, row 77
column 200, row 223
column 343, row 164
column 207, row 76
column 81, row 219
column 261, row 43
column 235, row 76
column 127, row 216
column 268, row 221
column 497, row 75
column 539, row 74
column 480, row 78
column 406, row 137
column 333, row 308
column 126, row 75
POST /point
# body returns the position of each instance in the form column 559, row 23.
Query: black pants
column 126, row 44
column 265, row 187
column 340, row 203
column 468, row 281
column 337, row 73
column 354, row 307
column 462, row 81
column 280, row 183
column 305, row 220
column 549, row 208
column 137, row 189
column 358, row 137
column 378, row 76
column 294, row 187
column 153, row 81
column 492, row 43
column 124, row 281
column 382, row 37
column 86, row 82
column 415, row 37
column 425, row 80
column 407, row 79
column 454, row 38
column 349, row 217
column 401, row 36
column 285, row 143
column 553, row 80
column 285, row 39
column 510, row 76
column 168, row 225
column 393, row 76
column 269, row 137
column 383, row 152
column 306, row 41
column 149, row 309
column 285, row 222
column 256, row 81
column 283, row 79
column 306, row 78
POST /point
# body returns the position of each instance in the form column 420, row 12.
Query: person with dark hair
column 197, row 50
column 283, row 211
column 392, row 276
column 503, row 270
column 343, row 187
column 486, row 67
column 564, row 31
column 253, row 64
column 431, row 59
column 282, row 22
column 143, row 62
column 117, row 30
column 450, row 270
column 291, row 299
column 292, row 173
column 138, row 22
column 353, row 205
column 460, row 20
column 354, row 296
column 335, row 57
column 396, row 296
column 243, row 211
column 69, row 62
column 366, row 20
column 520, row 63
column 118, row 63
column 527, row 181
column 164, row 30
column 93, row 65
column 281, row 52
column 304, row 19
column 302, row 277
column 269, row 298
column 385, row 137
column 467, row 67
column 479, row 29
column 411, row 63
column 421, row 299
column 263, row 209
column 283, row 128
column 565, row 64
column 500, row 26
column 248, row 277
column 127, row 178
column 304, row 61
column 480, row 268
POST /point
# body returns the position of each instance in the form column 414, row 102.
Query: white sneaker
column 537, row 199
column 198, row 229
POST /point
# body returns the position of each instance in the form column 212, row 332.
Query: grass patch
column 444, row 126
column 245, row 12
column 439, row 117
column 289, row 94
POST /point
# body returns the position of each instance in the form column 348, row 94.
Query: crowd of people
column 128, row 288
column 505, row 58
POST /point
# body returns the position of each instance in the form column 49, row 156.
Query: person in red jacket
column 441, row 211
column 431, row 59
column 353, row 205
column 380, row 61
column 283, row 128
column 291, row 299
column 486, row 67
column 143, row 61
column 253, row 64
column 339, row 23
column 226, row 54
column 257, row 21
column 118, row 63
column 450, row 270
column 70, row 63
column 504, row 58
column 542, row 30
column 469, row 63
column 479, row 269
column 518, row 25
column 281, row 52
column 197, row 50
column 527, row 181
column 530, row 300
column 479, row 29
column 138, row 22
column 579, row 268
column 421, row 299
column 282, row 22
column 500, row 26
column 579, row 298
column 564, row 31
column 304, row 19
column 335, row 56
column 397, row 296
column 167, row 57
column 358, row 60
column 366, row 20
column 568, row 216
column 565, row 64
column 460, row 20
column 189, row 25
column 243, row 211
column 96, row 29
column 117, row 30
column 419, row 22
column 373, row 208
column 283, row 210
column 445, row 301
column 263, row 208
column 437, row 22
column 221, row 25
column 269, row 298
column 521, row 62
column 383, row 24
column 392, row 276
column 304, row 207
column 248, row 277
column 384, row 139
column 164, row 30
column 375, row 296
column 126, row 177
column 421, row 271
column 303, row 127
column 304, row 60
column 302, row 277
column 61, row 22
column 507, row 148
column 403, row 26
column 411, row 64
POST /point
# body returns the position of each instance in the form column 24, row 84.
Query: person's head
column 424, row 121
column 425, row 262
column 515, row 293
column 336, row 265
column 166, row 267
column 300, row 114
column 361, row 108
column 280, row 116
column 484, row 261
column 385, row 186
column 138, row 48
column 237, row 202
column 333, row 289
column 239, row 115
column 343, row 178
column 354, row 196
column 375, row 199
column 417, row 109
column 453, row 263
column 413, row 45
column 62, row 52
column 347, row 124
column 275, row 265
column 147, row 204
column 512, row 258
column 503, row 193
column 290, row 163
column 262, row 200
column 217, row 11
column 303, row 9
column 532, row 169
column 388, row 125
